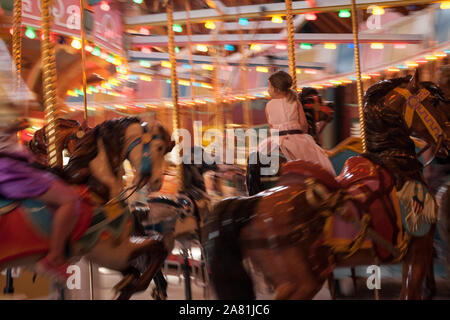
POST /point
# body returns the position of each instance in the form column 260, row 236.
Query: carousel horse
column 102, row 233
column 175, row 214
column 377, row 210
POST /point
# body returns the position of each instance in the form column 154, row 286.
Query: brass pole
column 243, row 68
column 83, row 72
column 191, row 62
column 83, row 60
column 291, row 43
column 17, row 41
column 359, row 87
column 49, row 81
column 174, row 84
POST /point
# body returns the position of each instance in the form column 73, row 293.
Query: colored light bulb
column 30, row 33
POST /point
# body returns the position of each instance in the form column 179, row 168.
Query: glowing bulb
column 376, row 46
column 255, row 47
column 210, row 25
column 344, row 14
column 144, row 63
column 202, row 48
column 207, row 67
column 330, row 46
column 104, row 6
column 96, row 51
column 88, row 48
column 310, row 16
column 262, row 69
column 11, row 31
column 305, row 46
column 281, row 47
column 445, row 5
column 138, row 1
column 229, row 47
column 378, row 11
column 277, row 19
column 144, row 31
column 177, row 28
column 30, row 33
column 243, row 22
column 166, row 64
column 400, row 46
column 146, row 50
column 76, row 44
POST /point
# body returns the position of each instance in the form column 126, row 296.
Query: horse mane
column 112, row 134
column 387, row 136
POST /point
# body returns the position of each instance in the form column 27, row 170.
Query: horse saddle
column 370, row 186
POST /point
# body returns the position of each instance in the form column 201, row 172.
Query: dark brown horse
column 289, row 232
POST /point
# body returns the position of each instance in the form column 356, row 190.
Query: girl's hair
column 282, row 81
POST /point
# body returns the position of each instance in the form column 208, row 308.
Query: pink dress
column 283, row 115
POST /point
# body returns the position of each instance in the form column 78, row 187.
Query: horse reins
column 146, row 162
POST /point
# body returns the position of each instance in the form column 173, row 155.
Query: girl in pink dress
column 284, row 113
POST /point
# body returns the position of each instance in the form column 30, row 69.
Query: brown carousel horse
column 102, row 233
column 297, row 232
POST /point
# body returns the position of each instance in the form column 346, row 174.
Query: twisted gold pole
column 291, row 43
column 174, row 84
column 83, row 72
column 49, row 81
column 17, row 40
column 358, row 75
column 191, row 62
column 217, row 94
column 83, row 60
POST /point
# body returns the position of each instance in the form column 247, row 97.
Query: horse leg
column 416, row 265
column 119, row 257
column 332, row 286
column 289, row 271
column 430, row 282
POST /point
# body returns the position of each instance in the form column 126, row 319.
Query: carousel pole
column 243, row 68
column 174, row 84
column 17, row 40
column 291, row 43
column 49, row 91
column 191, row 62
column 176, row 121
column 49, row 81
column 359, row 87
column 17, row 57
column 85, row 114
column 83, row 60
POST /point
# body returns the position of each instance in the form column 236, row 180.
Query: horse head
column 396, row 109
column 426, row 112
column 98, row 158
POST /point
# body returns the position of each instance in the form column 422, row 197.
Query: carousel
column 216, row 149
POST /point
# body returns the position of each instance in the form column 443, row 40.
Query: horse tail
column 227, row 272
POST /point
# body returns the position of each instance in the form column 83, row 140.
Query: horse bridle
column 414, row 105
column 146, row 159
